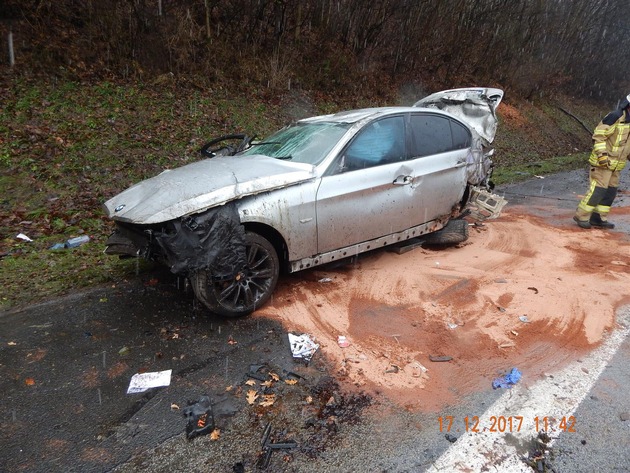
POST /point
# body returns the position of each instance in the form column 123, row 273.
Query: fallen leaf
column 12, row 344
column 291, row 382
column 29, row 382
column 231, row 341
column 174, row 407
column 250, row 382
column 274, row 376
column 309, row 399
column 251, row 396
column 215, row 434
column 268, row 400
column 267, row 383
column 229, row 388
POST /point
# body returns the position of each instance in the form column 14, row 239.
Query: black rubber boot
column 596, row 221
column 582, row 223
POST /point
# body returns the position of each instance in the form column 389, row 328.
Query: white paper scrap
column 21, row 236
column 140, row 382
column 302, row 346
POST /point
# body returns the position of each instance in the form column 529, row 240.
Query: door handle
column 403, row 180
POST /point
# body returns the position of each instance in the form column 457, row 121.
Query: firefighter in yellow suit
column 611, row 147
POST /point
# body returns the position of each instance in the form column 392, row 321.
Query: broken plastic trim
column 484, row 205
column 213, row 240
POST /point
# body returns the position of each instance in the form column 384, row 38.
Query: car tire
column 454, row 232
column 249, row 289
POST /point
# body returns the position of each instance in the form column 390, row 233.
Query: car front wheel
column 249, row 288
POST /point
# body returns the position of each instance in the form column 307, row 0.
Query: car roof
column 354, row 116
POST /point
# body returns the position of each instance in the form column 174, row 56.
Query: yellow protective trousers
column 601, row 193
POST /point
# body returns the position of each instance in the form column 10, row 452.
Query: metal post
column 11, row 53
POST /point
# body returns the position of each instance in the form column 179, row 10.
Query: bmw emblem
column 119, row 208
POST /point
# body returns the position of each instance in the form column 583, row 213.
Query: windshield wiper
column 286, row 158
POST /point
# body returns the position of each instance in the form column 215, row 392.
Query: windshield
column 302, row 142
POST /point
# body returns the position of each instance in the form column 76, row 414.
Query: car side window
column 430, row 134
column 380, row 142
column 461, row 135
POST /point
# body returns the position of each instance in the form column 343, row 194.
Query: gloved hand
column 603, row 161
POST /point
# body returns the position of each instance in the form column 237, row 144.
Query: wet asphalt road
column 65, row 367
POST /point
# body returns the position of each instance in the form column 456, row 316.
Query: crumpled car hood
column 476, row 106
column 198, row 186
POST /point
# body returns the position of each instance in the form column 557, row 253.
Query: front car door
column 361, row 198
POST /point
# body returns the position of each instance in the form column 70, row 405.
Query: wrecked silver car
column 320, row 190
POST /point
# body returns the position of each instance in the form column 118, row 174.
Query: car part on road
column 200, row 418
column 455, row 231
column 484, row 206
column 438, row 359
column 269, row 447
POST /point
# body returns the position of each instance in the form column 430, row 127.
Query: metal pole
column 11, row 53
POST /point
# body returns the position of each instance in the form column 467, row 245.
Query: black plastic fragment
column 200, row 418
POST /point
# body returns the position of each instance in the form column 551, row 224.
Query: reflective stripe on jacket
column 611, row 138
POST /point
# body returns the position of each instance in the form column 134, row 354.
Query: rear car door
column 438, row 147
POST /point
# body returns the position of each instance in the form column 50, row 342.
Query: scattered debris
column 533, row 289
column 21, row 236
column 200, row 418
column 450, row 438
column 124, row 351
column 324, row 280
column 538, row 456
column 438, row 359
column 342, row 341
column 140, row 382
column 507, row 345
column 392, row 369
column 524, row 319
column 302, row 346
column 508, row 380
column 71, row 243
column 624, row 416
column 268, row 447
column 484, row 205
column 417, row 369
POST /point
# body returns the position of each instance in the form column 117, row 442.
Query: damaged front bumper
column 213, row 240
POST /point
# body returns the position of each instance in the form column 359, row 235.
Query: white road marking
column 556, row 397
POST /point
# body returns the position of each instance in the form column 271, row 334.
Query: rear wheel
column 249, row 289
column 454, row 232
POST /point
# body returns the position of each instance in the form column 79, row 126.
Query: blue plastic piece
column 508, row 380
